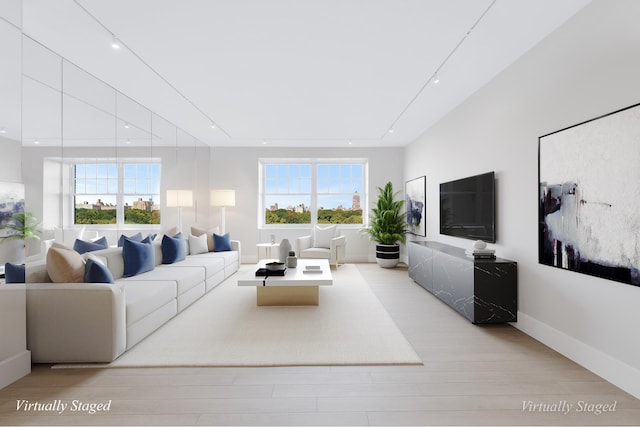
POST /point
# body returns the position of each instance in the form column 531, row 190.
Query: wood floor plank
column 472, row 375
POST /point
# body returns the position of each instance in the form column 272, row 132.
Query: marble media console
column 483, row 291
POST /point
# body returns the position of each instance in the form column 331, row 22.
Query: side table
column 268, row 250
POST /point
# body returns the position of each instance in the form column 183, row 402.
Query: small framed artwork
column 415, row 193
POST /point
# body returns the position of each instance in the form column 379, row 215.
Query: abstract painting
column 415, row 193
column 11, row 201
column 589, row 197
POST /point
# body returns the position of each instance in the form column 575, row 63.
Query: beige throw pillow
column 65, row 265
column 172, row 231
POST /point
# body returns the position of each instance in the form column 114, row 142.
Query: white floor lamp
column 223, row 199
column 179, row 199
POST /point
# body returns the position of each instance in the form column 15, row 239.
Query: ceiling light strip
column 123, row 44
column 436, row 74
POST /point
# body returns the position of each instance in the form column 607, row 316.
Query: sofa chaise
column 96, row 322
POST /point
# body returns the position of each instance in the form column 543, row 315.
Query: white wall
column 586, row 68
column 227, row 168
column 15, row 359
column 11, row 170
column 237, row 168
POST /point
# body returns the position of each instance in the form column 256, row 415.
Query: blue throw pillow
column 136, row 238
column 138, row 257
column 150, row 238
column 173, row 249
column 221, row 243
column 14, row 273
column 95, row 272
column 82, row 246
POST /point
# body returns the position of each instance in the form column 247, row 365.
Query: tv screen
column 467, row 208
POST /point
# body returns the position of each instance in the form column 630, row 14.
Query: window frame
column 120, row 194
column 313, row 206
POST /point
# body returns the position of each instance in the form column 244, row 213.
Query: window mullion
column 120, row 196
column 314, row 194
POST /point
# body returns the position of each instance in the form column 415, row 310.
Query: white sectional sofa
column 94, row 322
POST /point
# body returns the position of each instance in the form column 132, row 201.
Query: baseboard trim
column 15, row 367
column 613, row 370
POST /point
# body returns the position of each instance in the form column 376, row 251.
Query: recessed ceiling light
column 115, row 43
column 350, row 143
column 35, row 141
column 128, row 141
column 127, row 126
column 213, row 125
column 391, row 130
column 436, row 79
column 3, row 130
column 264, row 142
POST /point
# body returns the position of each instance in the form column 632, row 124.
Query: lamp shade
column 223, row 197
column 179, row 198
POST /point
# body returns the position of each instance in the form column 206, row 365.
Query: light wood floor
column 472, row 375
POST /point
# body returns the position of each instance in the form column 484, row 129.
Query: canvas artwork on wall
column 415, row 194
column 11, row 201
column 589, row 200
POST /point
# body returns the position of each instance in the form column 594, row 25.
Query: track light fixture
column 434, row 79
column 115, row 43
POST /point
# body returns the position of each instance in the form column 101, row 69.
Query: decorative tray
column 264, row 272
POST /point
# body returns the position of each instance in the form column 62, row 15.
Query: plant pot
column 387, row 256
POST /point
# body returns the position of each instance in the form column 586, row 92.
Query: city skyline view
column 110, row 199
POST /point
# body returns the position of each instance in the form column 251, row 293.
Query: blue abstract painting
column 415, row 201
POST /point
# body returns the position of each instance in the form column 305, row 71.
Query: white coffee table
column 294, row 288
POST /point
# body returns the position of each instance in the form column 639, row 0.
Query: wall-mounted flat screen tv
column 467, row 208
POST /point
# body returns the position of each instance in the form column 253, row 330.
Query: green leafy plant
column 388, row 222
column 21, row 226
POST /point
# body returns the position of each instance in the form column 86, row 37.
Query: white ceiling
column 296, row 72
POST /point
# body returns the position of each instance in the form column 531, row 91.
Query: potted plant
column 21, row 226
column 387, row 227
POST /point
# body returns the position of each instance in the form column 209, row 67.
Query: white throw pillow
column 322, row 236
column 67, row 236
column 198, row 244
column 199, row 231
column 45, row 245
column 96, row 258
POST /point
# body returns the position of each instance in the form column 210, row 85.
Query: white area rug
column 226, row 328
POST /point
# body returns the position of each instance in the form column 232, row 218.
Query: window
column 313, row 192
column 339, row 189
column 116, row 193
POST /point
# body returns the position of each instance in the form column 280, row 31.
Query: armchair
column 322, row 243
